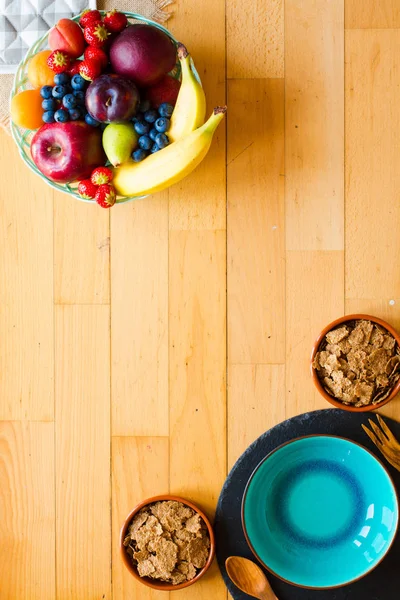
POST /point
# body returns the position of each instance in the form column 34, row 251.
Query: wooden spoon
column 249, row 578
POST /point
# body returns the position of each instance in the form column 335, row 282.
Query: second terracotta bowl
column 317, row 382
column 161, row 585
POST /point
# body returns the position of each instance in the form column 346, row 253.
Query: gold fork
column 385, row 441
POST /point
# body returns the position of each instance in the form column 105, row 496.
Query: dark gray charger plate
column 381, row 584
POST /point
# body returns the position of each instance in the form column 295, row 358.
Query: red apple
column 166, row 90
column 65, row 152
column 66, row 35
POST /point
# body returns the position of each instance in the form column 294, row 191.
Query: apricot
column 39, row 73
column 26, row 109
column 66, row 35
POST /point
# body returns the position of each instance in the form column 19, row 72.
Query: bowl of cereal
column 167, row 543
column 355, row 363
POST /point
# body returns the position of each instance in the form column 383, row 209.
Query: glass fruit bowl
column 23, row 137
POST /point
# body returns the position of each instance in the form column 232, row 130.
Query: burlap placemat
column 152, row 9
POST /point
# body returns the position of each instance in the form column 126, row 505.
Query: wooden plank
column 256, row 233
column 81, row 252
column 26, row 291
column 314, row 161
column 83, row 494
column 314, row 298
column 256, row 402
column 374, row 14
column 199, row 202
column 372, row 164
column 255, row 39
column 27, row 502
column 139, row 316
column 140, row 470
column 197, row 299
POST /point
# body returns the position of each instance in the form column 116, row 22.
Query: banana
column 171, row 164
column 190, row 108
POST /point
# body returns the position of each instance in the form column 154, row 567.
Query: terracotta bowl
column 160, row 585
column 315, row 377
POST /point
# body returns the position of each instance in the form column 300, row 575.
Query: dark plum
column 143, row 53
column 112, row 99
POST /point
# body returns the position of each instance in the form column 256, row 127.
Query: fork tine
column 382, row 448
column 378, row 432
column 373, row 437
column 387, row 432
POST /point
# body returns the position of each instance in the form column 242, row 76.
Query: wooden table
column 143, row 349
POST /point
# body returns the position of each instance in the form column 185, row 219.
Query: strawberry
column 116, row 21
column 74, row 68
column 89, row 17
column 101, row 175
column 96, row 35
column 105, row 195
column 90, row 69
column 59, row 61
column 87, row 189
column 92, row 53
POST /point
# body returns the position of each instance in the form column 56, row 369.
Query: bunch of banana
column 190, row 141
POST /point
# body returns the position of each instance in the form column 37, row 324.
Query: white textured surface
column 22, row 22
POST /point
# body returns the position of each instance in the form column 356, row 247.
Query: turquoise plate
column 320, row 512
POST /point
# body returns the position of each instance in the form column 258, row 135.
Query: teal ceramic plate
column 320, row 512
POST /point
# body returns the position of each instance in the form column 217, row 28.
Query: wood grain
column 374, row 14
column 83, row 494
column 314, row 298
column 197, row 292
column 26, row 291
column 140, row 470
column 81, row 252
column 27, row 501
column 372, row 164
column 256, row 402
column 256, row 232
column 255, row 34
column 139, row 314
column 199, row 202
column 314, row 157
column 197, row 359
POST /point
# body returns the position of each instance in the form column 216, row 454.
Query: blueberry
column 46, row 91
column 77, row 82
column 49, row 104
column 80, row 97
column 165, row 109
column 74, row 114
column 145, row 142
column 141, row 128
column 90, row 121
column 59, row 91
column 153, row 133
column 138, row 118
column 69, row 101
column 144, row 106
column 61, row 116
column 162, row 124
column 150, row 116
column 61, row 78
column 154, row 148
column 48, row 116
column 162, row 140
column 139, row 155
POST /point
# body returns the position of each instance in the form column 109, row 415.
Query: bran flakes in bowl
column 168, row 541
column 358, row 363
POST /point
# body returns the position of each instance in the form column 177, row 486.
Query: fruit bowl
column 23, row 137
